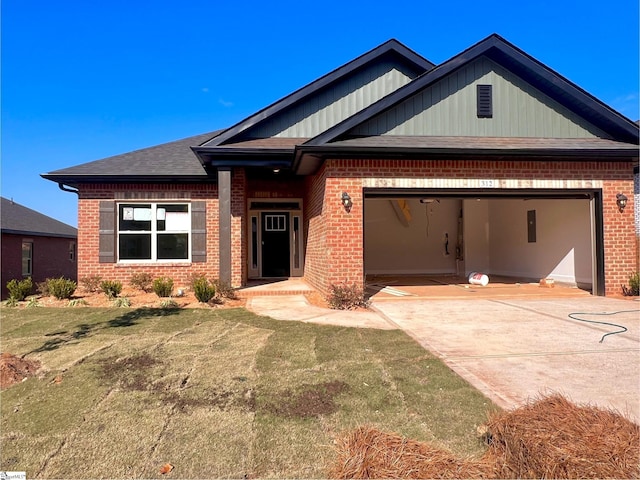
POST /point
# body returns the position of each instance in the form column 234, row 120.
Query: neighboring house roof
column 161, row 162
column 266, row 140
column 20, row 220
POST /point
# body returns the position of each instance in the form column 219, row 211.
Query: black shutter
column 198, row 232
column 107, row 232
column 485, row 101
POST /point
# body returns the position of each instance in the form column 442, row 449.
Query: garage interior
column 436, row 239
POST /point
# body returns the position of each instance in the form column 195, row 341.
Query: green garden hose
column 573, row 316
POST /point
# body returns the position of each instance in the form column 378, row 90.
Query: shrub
column 111, row 288
column 121, row 302
column 346, row 297
column 91, row 283
column 18, row 290
column 11, row 302
column 203, row 289
column 61, row 288
column 163, row 287
column 33, row 302
column 633, row 290
column 141, row 281
column 169, row 304
column 224, row 289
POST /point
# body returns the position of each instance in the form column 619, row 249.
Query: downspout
column 62, row 187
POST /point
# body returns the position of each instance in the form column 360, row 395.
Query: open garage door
column 524, row 236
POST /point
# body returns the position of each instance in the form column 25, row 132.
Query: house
column 35, row 245
column 389, row 164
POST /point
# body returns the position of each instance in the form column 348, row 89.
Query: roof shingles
column 18, row 219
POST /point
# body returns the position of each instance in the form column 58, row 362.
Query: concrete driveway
column 516, row 349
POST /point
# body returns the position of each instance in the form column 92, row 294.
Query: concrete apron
column 516, row 349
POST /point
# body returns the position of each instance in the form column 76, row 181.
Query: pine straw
column 548, row 438
column 369, row 453
column 553, row 438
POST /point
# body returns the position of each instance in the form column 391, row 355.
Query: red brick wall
column 50, row 258
column 334, row 250
column 88, row 228
column 238, row 228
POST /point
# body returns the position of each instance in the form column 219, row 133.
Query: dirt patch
column 130, row 373
column 312, row 401
column 134, row 374
column 15, row 369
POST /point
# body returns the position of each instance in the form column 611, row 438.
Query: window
column 27, row 259
column 153, row 231
column 72, row 251
column 275, row 223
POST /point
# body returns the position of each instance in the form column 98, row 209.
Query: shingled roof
column 160, row 162
column 20, row 220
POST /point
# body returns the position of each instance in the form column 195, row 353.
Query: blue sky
column 86, row 80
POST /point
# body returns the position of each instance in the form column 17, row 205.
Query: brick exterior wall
column 50, row 258
column 334, row 237
column 334, row 250
column 88, row 229
column 238, row 228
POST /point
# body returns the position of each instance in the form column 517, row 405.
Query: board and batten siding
column 334, row 104
column 448, row 108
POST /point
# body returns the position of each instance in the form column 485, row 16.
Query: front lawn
column 215, row 393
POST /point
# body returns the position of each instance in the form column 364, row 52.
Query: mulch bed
column 548, row 438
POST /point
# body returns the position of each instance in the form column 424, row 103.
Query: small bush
column 121, row 302
column 141, row 281
column 18, row 290
column 111, row 288
column 11, row 302
column 203, row 289
column 163, row 287
column 33, row 302
column 91, row 283
column 633, row 290
column 169, row 304
column 224, row 289
column 346, row 297
column 61, row 288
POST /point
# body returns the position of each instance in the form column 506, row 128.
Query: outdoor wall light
column 346, row 201
column 621, row 201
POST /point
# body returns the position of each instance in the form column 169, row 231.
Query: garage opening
column 441, row 237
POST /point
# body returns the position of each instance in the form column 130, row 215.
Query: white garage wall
column 476, row 235
column 562, row 250
column 419, row 248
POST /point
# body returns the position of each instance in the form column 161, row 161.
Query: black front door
column 275, row 244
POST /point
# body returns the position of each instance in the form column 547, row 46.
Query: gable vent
column 485, row 101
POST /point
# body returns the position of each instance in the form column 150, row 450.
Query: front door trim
column 273, row 208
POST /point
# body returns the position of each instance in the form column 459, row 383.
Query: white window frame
column 29, row 259
column 154, row 232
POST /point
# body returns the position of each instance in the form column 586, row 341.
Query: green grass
column 217, row 393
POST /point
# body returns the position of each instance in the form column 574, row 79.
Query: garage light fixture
column 621, row 201
column 346, row 201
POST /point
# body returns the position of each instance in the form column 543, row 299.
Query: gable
column 328, row 107
column 448, row 107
